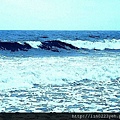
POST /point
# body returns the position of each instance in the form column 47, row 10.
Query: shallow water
column 60, row 83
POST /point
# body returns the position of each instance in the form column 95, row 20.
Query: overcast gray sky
column 60, row 14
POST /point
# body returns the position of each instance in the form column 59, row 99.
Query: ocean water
column 84, row 80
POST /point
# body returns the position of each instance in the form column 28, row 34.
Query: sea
column 39, row 80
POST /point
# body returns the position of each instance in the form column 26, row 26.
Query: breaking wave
column 101, row 45
column 59, row 45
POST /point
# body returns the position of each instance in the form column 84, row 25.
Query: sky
column 59, row 14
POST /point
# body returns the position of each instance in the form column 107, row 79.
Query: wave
column 101, row 45
column 59, row 45
column 53, row 45
column 14, row 46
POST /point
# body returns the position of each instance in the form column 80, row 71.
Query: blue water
column 84, row 80
column 85, row 40
column 37, row 35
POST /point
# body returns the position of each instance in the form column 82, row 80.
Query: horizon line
column 52, row 30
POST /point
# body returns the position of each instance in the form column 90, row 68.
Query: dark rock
column 55, row 44
column 14, row 46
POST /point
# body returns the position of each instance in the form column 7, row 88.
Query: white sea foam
column 40, row 80
column 101, row 45
column 34, row 44
column 54, row 70
column 59, row 83
column 111, row 44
